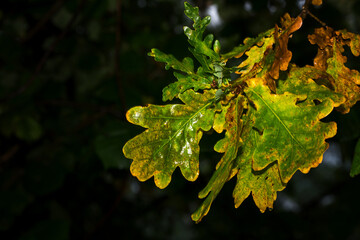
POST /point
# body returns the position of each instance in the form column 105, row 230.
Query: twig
column 117, row 56
column 55, row 7
column 305, row 11
column 45, row 57
column 317, row 19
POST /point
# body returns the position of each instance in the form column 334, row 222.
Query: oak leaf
column 330, row 58
column 282, row 54
column 286, row 129
column 171, row 139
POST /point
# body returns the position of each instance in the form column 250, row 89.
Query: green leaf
column 224, row 169
column 186, row 66
column 305, row 80
column 355, row 167
column 183, row 84
column 286, row 129
column 172, row 138
column 238, row 51
column 202, row 47
column 263, row 184
column 256, row 54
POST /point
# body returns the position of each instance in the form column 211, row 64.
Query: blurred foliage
column 65, row 84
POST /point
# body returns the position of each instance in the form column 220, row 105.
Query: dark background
column 70, row 69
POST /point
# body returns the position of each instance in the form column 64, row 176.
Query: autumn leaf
column 172, row 138
column 324, row 38
column 286, row 129
column 330, row 58
column 282, row 54
column 352, row 40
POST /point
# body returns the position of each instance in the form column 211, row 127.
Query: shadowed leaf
column 224, row 169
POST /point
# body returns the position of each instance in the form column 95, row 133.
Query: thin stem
column 317, row 19
column 305, row 11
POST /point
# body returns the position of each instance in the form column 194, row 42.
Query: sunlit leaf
column 330, row 58
column 256, row 54
column 184, row 83
column 172, row 138
column 286, row 130
column 282, row 54
column 238, row 51
column 202, row 48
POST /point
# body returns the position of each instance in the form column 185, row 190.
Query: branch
column 305, row 11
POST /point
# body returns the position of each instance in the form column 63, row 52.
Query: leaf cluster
column 271, row 112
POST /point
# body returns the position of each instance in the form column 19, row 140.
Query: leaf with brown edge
column 316, row 84
column 286, row 129
column 352, row 40
column 282, row 54
column 324, row 38
column 330, row 59
column 346, row 80
column 238, row 51
column 256, row 55
column 263, row 185
column 171, row 139
column 224, row 169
